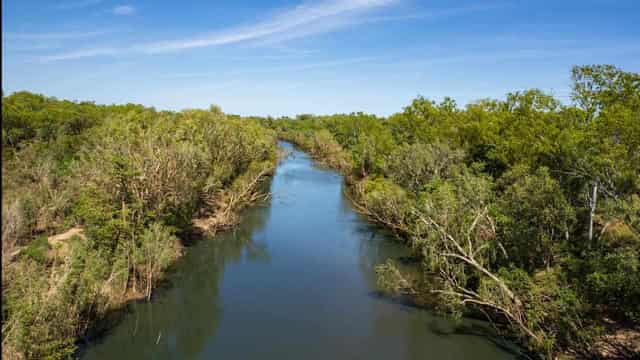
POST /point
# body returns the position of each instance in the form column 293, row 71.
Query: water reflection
column 295, row 280
column 184, row 315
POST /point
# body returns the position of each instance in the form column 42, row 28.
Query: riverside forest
column 521, row 216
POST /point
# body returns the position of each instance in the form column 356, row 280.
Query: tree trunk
column 592, row 210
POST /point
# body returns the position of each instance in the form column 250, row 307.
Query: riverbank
column 296, row 279
column 372, row 177
column 226, row 217
column 133, row 184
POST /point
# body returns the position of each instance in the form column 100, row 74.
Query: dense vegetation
column 121, row 187
column 524, row 210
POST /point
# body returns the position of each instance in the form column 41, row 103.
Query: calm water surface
column 295, row 280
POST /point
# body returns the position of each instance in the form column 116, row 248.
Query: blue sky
column 286, row 57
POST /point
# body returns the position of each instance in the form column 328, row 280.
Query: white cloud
column 56, row 35
column 288, row 68
column 306, row 19
column 324, row 16
column 124, row 10
column 79, row 54
column 290, row 22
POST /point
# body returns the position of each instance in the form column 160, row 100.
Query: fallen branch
column 507, row 304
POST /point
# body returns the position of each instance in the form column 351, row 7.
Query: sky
column 287, row 57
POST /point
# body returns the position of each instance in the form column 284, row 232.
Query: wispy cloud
column 438, row 14
column 124, row 10
column 295, row 21
column 33, row 47
column 300, row 21
column 331, row 64
column 277, row 69
column 77, row 4
column 479, row 57
column 290, row 21
column 79, row 54
column 56, row 35
column 283, row 54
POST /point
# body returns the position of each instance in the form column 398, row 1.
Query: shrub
column 157, row 249
column 37, row 249
column 412, row 166
column 536, row 218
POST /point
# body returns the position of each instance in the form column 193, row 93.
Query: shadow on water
column 443, row 327
column 296, row 279
column 403, row 302
column 479, row 329
column 184, row 311
column 378, row 244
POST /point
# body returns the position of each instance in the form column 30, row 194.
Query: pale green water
column 296, row 280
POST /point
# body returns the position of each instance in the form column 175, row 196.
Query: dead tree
column 467, row 248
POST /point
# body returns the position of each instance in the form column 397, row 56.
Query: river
column 295, row 280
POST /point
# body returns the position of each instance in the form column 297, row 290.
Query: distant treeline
column 524, row 209
column 96, row 200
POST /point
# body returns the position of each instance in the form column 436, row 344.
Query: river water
column 295, row 280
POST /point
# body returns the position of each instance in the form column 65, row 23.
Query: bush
column 553, row 309
column 385, row 202
column 535, row 218
column 612, row 280
column 37, row 249
column 36, row 323
column 157, row 249
column 413, row 166
column 133, row 178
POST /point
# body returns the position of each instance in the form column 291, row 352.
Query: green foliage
column 324, row 146
column 423, row 121
column 598, row 87
column 413, row 166
column 37, row 249
column 495, row 198
column 554, row 309
column 535, row 218
column 611, row 280
column 27, row 116
column 386, row 202
column 38, row 325
column 510, row 181
column 157, row 249
column 133, row 179
column 390, row 279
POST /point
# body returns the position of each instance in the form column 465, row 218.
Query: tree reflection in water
column 310, row 294
column 187, row 311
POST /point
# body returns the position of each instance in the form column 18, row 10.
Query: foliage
column 553, row 309
column 37, row 249
column 385, row 202
column 413, row 166
column 157, row 250
column 497, row 199
column 133, row 180
column 536, row 218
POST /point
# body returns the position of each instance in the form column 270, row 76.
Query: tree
column 535, row 218
column 596, row 87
